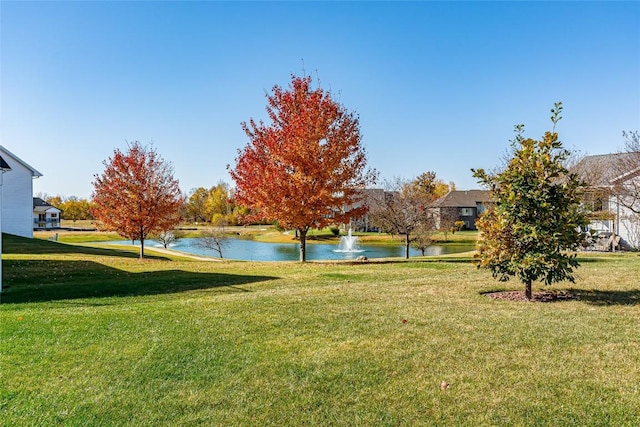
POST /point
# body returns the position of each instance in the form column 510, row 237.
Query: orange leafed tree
column 136, row 195
column 307, row 167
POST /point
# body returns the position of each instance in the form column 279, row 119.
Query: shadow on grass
column 21, row 245
column 596, row 297
column 28, row 281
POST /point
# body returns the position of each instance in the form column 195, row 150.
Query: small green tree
column 537, row 216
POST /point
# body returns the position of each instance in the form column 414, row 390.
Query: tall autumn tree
column 136, row 195
column 537, row 220
column 306, row 168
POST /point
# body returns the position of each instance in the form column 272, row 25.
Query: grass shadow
column 601, row 298
column 24, row 246
column 28, row 281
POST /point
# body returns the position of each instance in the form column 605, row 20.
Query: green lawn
column 92, row 336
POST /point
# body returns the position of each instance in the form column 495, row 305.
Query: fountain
column 349, row 244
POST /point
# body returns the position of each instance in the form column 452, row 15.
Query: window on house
column 54, row 215
column 595, row 200
column 465, row 211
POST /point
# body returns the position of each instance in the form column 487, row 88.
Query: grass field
column 92, row 336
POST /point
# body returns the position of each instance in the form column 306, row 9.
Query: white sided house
column 614, row 198
column 45, row 216
column 17, row 195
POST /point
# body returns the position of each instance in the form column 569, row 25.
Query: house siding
column 626, row 225
column 17, row 197
column 45, row 217
column 602, row 174
column 460, row 205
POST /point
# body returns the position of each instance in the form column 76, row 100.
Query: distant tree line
column 72, row 208
column 214, row 206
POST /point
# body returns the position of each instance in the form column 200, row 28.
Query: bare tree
column 214, row 239
column 626, row 178
column 403, row 208
column 632, row 141
column 423, row 235
column 168, row 237
column 447, row 221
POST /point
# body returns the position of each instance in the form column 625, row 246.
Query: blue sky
column 437, row 85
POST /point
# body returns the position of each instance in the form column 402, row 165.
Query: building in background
column 45, row 216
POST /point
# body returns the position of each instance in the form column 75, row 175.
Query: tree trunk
column 303, row 244
column 527, row 290
column 406, row 245
column 141, row 244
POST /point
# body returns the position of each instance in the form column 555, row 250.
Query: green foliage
column 537, row 216
column 335, row 231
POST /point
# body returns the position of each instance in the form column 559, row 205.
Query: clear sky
column 437, row 85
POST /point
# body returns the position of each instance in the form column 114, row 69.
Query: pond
column 250, row 250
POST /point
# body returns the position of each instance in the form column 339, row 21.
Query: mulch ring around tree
column 542, row 296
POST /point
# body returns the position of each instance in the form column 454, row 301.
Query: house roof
column 605, row 169
column 45, row 209
column 37, row 201
column 463, row 199
column 40, row 205
column 9, row 154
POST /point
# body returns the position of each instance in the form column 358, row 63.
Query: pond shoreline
column 252, row 250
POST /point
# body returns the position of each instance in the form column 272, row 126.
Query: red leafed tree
column 307, row 167
column 136, row 194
